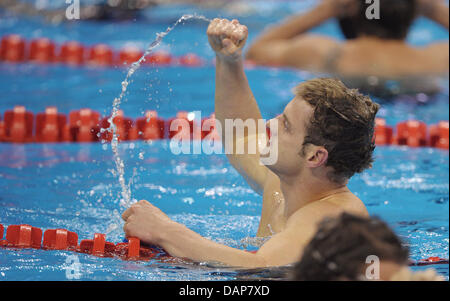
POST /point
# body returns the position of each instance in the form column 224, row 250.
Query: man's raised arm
column 435, row 10
column 234, row 99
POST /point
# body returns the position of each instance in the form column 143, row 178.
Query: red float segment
column 209, row 131
column 179, row 126
column 182, row 126
column 50, row 125
column 60, row 239
column 431, row 260
column 132, row 250
column 159, row 58
column 97, row 246
column 12, row 49
column 439, row 135
column 123, row 126
column 2, row 131
column 150, row 127
column 191, row 60
column 383, row 133
column 101, row 55
column 84, row 125
column 134, row 245
column 2, row 242
column 133, row 133
column 72, row 53
column 18, row 125
column 411, row 133
column 129, row 54
column 23, row 236
column 42, row 51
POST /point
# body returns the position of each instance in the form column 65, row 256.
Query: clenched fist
column 227, row 38
column 146, row 222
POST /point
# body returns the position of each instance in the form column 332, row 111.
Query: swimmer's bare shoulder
column 273, row 219
column 301, row 226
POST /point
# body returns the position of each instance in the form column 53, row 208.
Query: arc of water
column 120, row 166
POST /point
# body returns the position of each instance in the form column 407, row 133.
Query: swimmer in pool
column 324, row 137
column 375, row 58
column 339, row 249
column 108, row 10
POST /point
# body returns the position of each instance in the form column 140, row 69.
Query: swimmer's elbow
column 258, row 261
column 251, row 53
column 267, row 55
column 256, row 53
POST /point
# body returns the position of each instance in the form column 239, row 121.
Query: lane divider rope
column 86, row 125
column 15, row 49
column 26, row 236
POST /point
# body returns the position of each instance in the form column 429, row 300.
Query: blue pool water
column 73, row 186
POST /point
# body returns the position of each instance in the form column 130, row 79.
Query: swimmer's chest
column 273, row 218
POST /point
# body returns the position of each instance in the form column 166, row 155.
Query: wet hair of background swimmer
column 339, row 249
column 396, row 17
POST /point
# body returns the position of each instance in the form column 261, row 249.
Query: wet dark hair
column 339, row 249
column 343, row 122
column 396, row 17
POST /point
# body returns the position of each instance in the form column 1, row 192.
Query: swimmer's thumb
column 229, row 46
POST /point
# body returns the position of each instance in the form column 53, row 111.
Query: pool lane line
column 26, row 236
column 86, row 125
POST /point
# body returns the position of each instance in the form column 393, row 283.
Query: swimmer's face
column 292, row 129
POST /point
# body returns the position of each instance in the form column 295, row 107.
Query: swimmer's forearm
column 234, row 98
column 298, row 24
column 438, row 12
column 179, row 241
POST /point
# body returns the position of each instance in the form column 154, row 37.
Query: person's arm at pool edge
column 233, row 96
column 152, row 226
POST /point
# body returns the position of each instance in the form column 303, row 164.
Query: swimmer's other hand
column 227, row 38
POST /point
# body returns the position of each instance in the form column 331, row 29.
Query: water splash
column 126, row 200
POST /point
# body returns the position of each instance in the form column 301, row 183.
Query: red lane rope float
column 439, row 134
column 18, row 125
column 125, row 129
column 72, row 53
column 150, row 127
column 23, row 236
column 14, row 49
column 60, row 239
column 2, row 242
column 412, row 133
column 86, row 125
column 160, row 58
column 430, row 261
column 42, row 51
column 26, row 236
column 101, row 55
column 129, row 54
column 51, row 126
column 210, row 133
